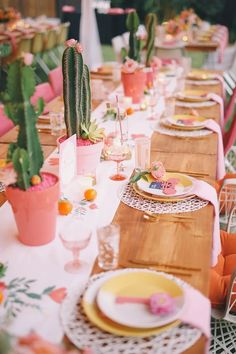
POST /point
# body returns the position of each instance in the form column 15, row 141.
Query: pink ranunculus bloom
column 79, row 48
column 156, row 63
column 71, row 42
column 8, row 175
column 162, row 304
column 157, row 169
column 130, row 66
column 27, row 58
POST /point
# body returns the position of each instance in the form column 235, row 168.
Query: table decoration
column 32, row 195
column 185, row 122
column 77, row 101
column 163, row 129
column 177, row 338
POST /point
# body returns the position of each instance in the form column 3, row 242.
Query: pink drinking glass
column 75, row 237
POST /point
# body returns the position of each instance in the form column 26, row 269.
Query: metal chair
column 230, row 160
column 223, row 322
column 227, row 201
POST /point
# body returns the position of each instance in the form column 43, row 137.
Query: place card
column 67, row 161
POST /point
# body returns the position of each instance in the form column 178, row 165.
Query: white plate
column 139, row 284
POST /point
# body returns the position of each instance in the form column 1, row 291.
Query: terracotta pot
column 134, row 85
column 35, row 213
column 88, row 156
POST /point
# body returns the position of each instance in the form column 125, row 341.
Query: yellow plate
column 200, row 75
column 185, row 122
column 183, row 187
column 161, row 199
column 192, row 96
column 100, row 320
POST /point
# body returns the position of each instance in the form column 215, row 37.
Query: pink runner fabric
column 205, row 191
column 212, row 125
column 220, row 101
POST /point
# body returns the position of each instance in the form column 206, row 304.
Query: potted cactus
column 150, row 24
column 77, row 103
column 33, row 195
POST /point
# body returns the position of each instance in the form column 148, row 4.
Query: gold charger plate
column 161, row 199
column 200, row 75
column 101, row 321
column 192, row 96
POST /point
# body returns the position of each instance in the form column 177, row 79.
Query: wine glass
column 117, row 151
column 75, row 236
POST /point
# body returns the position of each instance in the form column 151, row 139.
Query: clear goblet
column 75, row 237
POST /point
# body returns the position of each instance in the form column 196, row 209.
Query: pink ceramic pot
column 134, row 85
column 88, row 158
column 35, row 213
column 149, row 77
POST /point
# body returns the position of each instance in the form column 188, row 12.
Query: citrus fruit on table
column 90, row 194
column 64, row 207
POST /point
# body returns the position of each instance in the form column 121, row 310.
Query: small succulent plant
column 26, row 154
column 77, row 95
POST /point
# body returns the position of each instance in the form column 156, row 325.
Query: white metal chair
column 117, row 44
column 223, row 322
column 125, row 37
column 230, row 160
column 227, row 201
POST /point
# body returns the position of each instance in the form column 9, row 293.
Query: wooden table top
column 186, row 244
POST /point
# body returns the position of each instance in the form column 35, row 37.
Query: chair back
column 63, row 33
column 230, row 106
column 118, row 44
column 230, row 136
column 38, row 43
column 24, row 45
column 56, row 80
column 227, row 200
column 5, row 123
column 50, row 39
column 43, row 90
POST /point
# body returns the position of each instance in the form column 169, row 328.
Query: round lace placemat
column 83, row 334
column 135, row 201
column 184, row 133
column 195, row 104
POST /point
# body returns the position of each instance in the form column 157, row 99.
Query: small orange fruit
column 35, row 180
column 129, row 111
column 90, row 194
column 64, row 207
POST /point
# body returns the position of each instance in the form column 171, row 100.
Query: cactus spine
column 132, row 24
column 76, row 90
column 26, row 154
column 151, row 23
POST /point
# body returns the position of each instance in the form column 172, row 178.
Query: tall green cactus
column 132, row 24
column 77, row 94
column 151, row 23
column 26, row 154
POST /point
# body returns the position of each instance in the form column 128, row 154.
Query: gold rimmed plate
column 192, row 96
column 185, row 122
column 201, row 75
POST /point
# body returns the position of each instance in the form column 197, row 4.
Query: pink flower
column 27, row 58
column 157, row 170
column 71, row 42
column 58, row 295
column 79, row 48
column 129, row 66
column 38, row 345
column 156, row 63
column 8, row 175
column 162, row 304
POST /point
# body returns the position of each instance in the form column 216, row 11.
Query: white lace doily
column 84, row 335
column 2, row 187
column 160, row 128
column 130, row 198
column 195, row 104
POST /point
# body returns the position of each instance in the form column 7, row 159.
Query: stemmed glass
column 152, row 103
column 117, row 151
column 75, row 237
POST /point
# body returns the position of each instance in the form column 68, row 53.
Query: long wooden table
column 186, row 243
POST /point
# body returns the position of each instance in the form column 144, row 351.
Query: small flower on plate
column 157, row 169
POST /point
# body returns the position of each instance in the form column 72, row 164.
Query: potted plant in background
column 77, row 102
column 33, row 195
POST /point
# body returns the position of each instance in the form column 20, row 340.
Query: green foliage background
column 214, row 11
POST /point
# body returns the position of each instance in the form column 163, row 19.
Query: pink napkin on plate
column 197, row 312
column 220, row 101
column 206, row 192
column 220, row 78
column 214, row 126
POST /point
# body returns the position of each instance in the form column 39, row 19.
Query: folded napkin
column 205, row 191
column 214, row 126
column 216, row 98
column 197, row 312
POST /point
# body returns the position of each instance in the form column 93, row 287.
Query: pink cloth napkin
column 212, row 125
column 197, row 312
column 205, row 191
column 220, row 78
column 220, row 101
